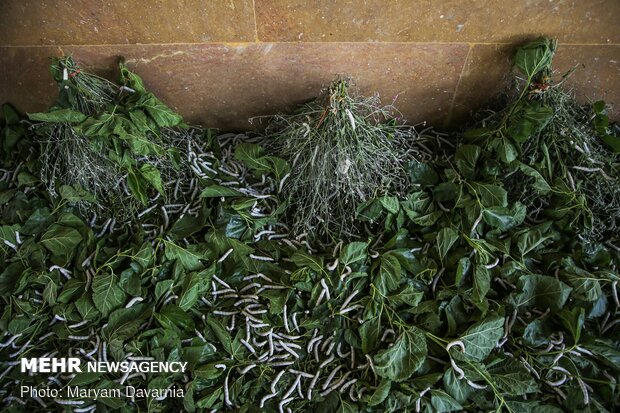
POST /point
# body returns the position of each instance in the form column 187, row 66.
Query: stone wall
column 220, row 62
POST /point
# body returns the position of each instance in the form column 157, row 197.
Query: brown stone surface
column 223, row 85
column 487, row 73
column 50, row 22
column 597, row 74
column 481, row 21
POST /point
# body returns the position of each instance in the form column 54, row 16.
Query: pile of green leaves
column 106, row 139
column 456, row 295
column 546, row 141
column 343, row 149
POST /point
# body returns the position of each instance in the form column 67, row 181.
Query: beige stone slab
column 223, row 85
column 487, row 73
column 480, row 21
column 596, row 75
column 80, row 22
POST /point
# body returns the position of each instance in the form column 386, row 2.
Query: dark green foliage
column 459, row 295
column 343, row 150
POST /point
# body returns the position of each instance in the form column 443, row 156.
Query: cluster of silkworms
column 283, row 348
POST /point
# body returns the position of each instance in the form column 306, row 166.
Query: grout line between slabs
column 255, row 22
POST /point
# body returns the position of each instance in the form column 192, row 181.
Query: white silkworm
column 284, row 178
column 312, row 341
column 10, row 367
column 308, row 247
column 77, row 325
column 246, row 300
column 225, row 313
column 247, row 368
column 171, row 297
column 330, row 377
column 286, row 357
column 349, row 298
column 261, row 258
column 78, row 338
column 326, row 362
column 352, row 394
column 270, row 341
column 337, row 248
column 561, row 370
column 140, row 358
column 339, row 351
column 584, row 351
column 17, row 239
column 457, row 369
column 166, row 219
column 259, row 275
column 224, row 291
column 267, row 397
column 140, row 215
column 295, row 325
column 338, row 383
column 614, row 293
column 276, row 236
column 226, row 254
column 248, row 346
column 59, row 318
column 584, row 390
column 21, row 349
column 346, row 385
column 69, row 402
column 216, row 278
column 133, row 301
column 250, row 286
column 386, row 333
column 476, row 385
column 104, row 350
column 324, row 285
column 65, row 272
column 476, row 222
column 347, row 271
column 289, row 243
column 315, row 379
column 320, row 299
column 457, row 343
column 293, row 387
column 333, row 265
column 276, row 380
column 270, row 287
column 262, row 233
column 283, row 402
column 571, row 180
column 231, row 327
column 418, row 402
column 330, row 348
column 220, row 366
column 327, row 343
column 558, row 382
column 226, row 392
column 351, row 119
column 349, row 309
column 492, row 265
column 288, row 349
column 301, row 373
column 584, row 169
